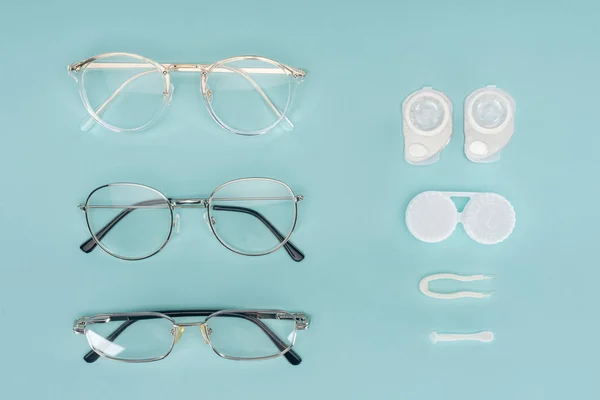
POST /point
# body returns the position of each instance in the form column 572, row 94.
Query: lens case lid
column 489, row 123
column 488, row 218
column 426, row 124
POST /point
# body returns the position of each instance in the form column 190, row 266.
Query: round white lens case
column 489, row 123
column 426, row 124
column 431, row 217
column 488, row 218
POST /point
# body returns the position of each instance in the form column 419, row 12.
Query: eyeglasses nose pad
column 206, row 331
column 177, row 332
column 170, row 94
column 204, row 88
column 208, row 94
column 212, row 220
column 176, row 224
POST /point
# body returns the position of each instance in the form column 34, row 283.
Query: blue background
column 370, row 325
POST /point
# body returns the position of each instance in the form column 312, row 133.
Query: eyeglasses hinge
column 302, row 321
column 81, row 207
column 298, row 73
column 75, row 67
column 79, row 326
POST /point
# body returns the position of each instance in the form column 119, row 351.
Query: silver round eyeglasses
column 246, row 95
column 249, row 216
column 232, row 334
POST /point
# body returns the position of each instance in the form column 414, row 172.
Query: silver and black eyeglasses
column 246, row 95
column 232, row 334
column 249, row 216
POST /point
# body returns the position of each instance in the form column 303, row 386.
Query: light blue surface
column 370, row 325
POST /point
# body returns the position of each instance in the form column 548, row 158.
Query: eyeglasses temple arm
column 291, row 249
column 260, row 91
column 290, row 355
column 89, row 122
column 89, row 245
column 92, row 356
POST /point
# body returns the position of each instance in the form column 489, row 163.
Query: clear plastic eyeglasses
column 232, row 334
column 246, row 95
column 249, row 216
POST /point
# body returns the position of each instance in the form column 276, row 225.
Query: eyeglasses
column 232, row 334
column 246, row 95
column 249, row 216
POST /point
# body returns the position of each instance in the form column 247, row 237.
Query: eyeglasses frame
column 204, row 69
column 192, row 203
column 301, row 320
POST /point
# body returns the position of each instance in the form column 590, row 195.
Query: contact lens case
column 489, row 123
column 488, row 218
column 427, row 125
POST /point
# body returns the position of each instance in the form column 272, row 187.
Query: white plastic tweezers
column 424, row 286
